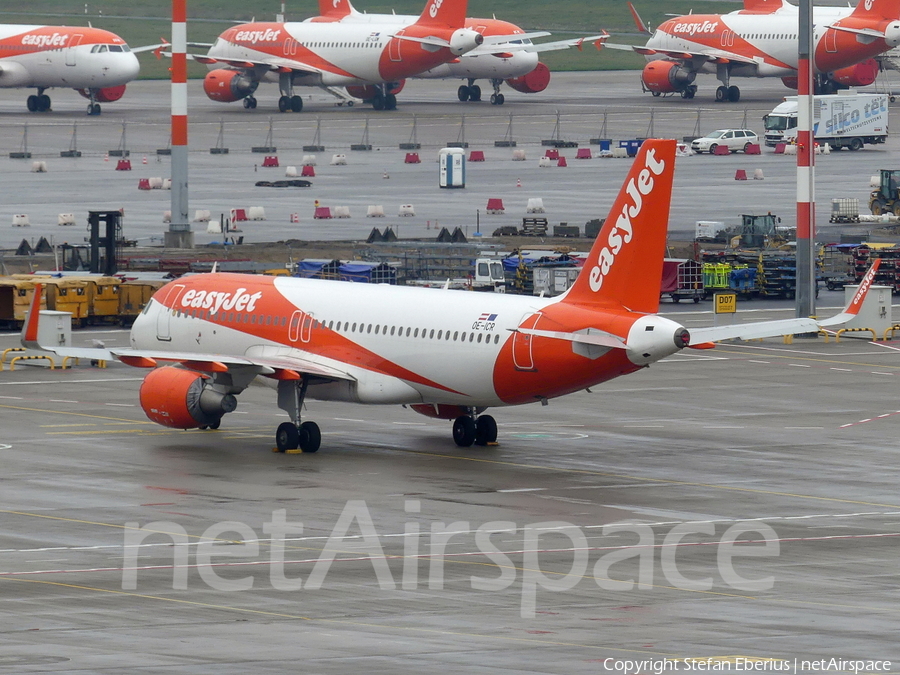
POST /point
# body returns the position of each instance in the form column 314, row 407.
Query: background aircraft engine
column 226, row 86
column 858, row 75
column 533, row 82
column 104, row 95
column 665, row 77
column 367, row 91
column 465, row 40
column 182, row 399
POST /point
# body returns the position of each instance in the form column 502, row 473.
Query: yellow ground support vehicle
column 15, row 299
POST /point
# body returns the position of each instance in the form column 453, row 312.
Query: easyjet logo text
column 254, row 36
column 239, row 301
column 623, row 230
column 435, row 6
column 695, row 28
column 55, row 40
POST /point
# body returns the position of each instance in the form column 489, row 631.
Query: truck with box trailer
column 844, row 120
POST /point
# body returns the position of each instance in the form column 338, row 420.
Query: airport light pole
column 179, row 234
column 806, row 171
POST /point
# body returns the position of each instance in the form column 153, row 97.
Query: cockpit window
column 103, row 49
column 126, row 48
column 115, row 48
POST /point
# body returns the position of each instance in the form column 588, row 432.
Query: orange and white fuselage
column 60, row 56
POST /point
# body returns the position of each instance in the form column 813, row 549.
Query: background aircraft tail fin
column 444, row 13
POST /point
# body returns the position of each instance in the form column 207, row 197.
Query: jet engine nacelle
column 533, row 82
column 465, row 40
column 858, row 75
column 104, row 95
column 367, row 91
column 226, row 86
column 665, row 77
column 182, row 399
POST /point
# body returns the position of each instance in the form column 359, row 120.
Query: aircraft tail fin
column 762, row 6
column 29, row 337
column 444, row 13
column 336, row 9
column 877, row 9
column 641, row 26
column 855, row 304
column 624, row 267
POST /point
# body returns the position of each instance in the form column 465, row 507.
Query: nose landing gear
column 295, row 436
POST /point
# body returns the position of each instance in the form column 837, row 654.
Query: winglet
column 855, row 304
column 641, row 26
column 30, row 327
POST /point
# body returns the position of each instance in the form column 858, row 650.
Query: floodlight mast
column 806, row 194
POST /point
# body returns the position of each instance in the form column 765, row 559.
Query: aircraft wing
column 760, row 329
column 716, row 55
column 279, row 64
column 578, row 43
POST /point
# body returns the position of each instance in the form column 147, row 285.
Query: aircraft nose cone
column 132, row 67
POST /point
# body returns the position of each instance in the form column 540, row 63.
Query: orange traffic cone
column 518, row 182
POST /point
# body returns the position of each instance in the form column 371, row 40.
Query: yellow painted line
column 76, row 414
column 68, row 426
column 92, row 432
column 337, row 622
column 657, row 481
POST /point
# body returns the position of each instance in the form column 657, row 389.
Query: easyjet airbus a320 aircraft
column 333, row 54
column 445, row 353
column 96, row 63
column 514, row 62
column 761, row 41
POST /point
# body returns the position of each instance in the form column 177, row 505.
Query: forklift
column 885, row 198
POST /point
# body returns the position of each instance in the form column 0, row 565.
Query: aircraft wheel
column 378, row 101
column 390, row 102
column 287, row 437
column 685, row 93
column 474, row 93
column 215, row 425
column 501, row 99
column 462, row 93
column 310, row 437
column 485, row 430
column 721, row 93
column 296, row 104
column 284, row 103
column 32, row 103
column 43, row 102
column 464, row 431
column 247, row 103
column 734, row 94
column 493, row 99
column 93, row 109
column 656, row 94
column 252, row 102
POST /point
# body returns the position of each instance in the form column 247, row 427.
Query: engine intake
column 105, row 94
column 533, row 82
column 666, row 77
column 182, row 399
column 226, row 86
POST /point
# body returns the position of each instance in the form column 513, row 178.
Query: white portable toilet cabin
column 453, row 167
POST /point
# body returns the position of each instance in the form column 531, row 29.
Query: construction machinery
column 885, row 198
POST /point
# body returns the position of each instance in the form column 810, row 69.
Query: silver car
column 733, row 139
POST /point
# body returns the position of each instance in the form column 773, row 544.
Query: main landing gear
column 39, row 102
column 250, row 103
column 288, row 102
column 383, row 99
column 472, row 429
column 470, row 92
column 295, row 435
column 730, row 94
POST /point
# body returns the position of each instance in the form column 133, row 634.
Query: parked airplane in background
column 331, row 54
column 96, row 63
column 444, row 353
column 761, row 41
column 515, row 62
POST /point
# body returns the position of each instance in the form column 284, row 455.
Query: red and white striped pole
column 179, row 234
column 806, row 171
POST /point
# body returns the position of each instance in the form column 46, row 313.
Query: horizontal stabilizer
column 591, row 337
column 753, row 331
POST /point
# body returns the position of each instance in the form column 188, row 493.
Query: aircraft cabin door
column 394, row 48
column 831, row 36
column 70, row 50
column 166, row 310
column 523, row 354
